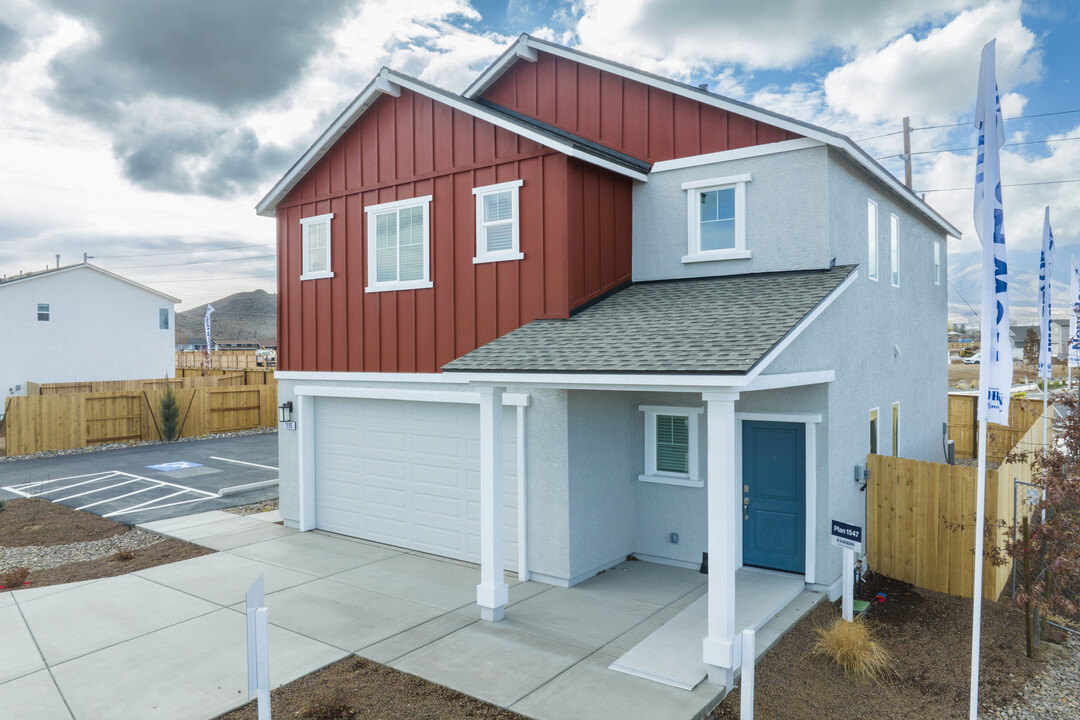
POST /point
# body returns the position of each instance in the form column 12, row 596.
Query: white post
column 492, row 592
column 258, row 648
column 262, row 642
column 848, row 602
column 718, row 648
column 746, row 698
column 305, row 440
column 980, row 514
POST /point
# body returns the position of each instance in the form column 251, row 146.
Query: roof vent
column 703, row 86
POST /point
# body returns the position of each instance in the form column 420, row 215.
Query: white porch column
column 491, row 593
column 719, row 648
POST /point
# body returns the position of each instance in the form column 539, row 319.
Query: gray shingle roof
column 708, row 325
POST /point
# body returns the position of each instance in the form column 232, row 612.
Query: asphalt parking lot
column 152, row 482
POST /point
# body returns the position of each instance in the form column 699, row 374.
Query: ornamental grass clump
column 852, row 646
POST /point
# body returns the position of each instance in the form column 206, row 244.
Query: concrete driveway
column 150, row 482
column 168, row 642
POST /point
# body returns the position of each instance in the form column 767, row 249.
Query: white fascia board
column 311, row 376
column 591, row 381
column 786, row 380
column 812, row 131
column 802, row 325
column 464, row 397
column 520, row 49
column 737, row 154
column 793, row 417
column 88, row 266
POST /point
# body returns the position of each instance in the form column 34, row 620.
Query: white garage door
column 408, row 474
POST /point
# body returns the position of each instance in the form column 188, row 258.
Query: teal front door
column 774, row 495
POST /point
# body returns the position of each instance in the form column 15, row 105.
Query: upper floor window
column 671, row 445
column 871, row 236
column 163, row 318
column 399, row 243
column 894, row 242
column 498, row 234
column 716, row 219
column 937, row 262
column 43, row 312
column 874, row 431
column 316, row 247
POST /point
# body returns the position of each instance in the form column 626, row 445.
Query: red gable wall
column 412, row 146
column 639, row 120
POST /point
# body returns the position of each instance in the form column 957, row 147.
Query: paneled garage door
column 408, row 474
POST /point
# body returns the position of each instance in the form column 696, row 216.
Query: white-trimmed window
column 894, row 244
column 498, row 223
column 937, row 262
column 316, row 247
column 716, row 219
column 43, row 312
column 871, row 238
column 163, row 318
column 671, row 445
column 399, row 245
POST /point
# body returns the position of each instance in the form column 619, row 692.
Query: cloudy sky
column 143, row 132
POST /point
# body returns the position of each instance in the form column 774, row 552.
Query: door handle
column 746, row 508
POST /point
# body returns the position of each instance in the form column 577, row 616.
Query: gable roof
column 25, row 277
column 390, row 82
column 526, row 47
column 717, row 325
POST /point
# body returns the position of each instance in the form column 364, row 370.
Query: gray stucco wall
column 786, row 217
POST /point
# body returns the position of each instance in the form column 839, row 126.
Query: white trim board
column 68, row 268
column 464, row 397
column 736, row 154
column 649, row 383
column 814, row 132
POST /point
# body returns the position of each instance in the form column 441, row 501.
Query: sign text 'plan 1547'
column 846, row 536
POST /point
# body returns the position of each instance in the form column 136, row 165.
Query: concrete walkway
column 168, row 642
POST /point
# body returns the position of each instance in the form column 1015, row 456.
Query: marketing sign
column 846, row 536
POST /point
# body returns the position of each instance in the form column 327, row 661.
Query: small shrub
column 2, row 503
column 170, row 414
column 852, row 646
column 123, row 555
column 14, row 578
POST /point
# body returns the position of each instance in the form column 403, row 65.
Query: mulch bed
column 34, row 521
column 355, row 688
column 928, row 636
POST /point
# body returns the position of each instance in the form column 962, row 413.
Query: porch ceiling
column 706, row 325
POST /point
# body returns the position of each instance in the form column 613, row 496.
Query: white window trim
column 372, row 210
column 304, row 224
column 693, row 222
column 168, row 318
column 937, row 262
column 651, row 474
column 514, row 252
column 894, row 246
column 872, row 240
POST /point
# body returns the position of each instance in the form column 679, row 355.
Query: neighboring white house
column 81, row 323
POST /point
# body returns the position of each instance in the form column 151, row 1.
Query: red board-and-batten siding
column 410, row 146
column 637, row 119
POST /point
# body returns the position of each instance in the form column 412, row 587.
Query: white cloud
column 933, row 79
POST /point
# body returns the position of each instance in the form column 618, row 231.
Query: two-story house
column 580, row 311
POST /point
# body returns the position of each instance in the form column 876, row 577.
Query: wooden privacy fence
column 219, row 359
column 250, row 377
column 73, row 420
column 964, row 426
column 230, row 379
column 911, row 506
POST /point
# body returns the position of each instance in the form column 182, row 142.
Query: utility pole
column 907, row 152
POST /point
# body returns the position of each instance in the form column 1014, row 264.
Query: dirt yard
column 958, row 372
column 36, row 532
column 928, row 636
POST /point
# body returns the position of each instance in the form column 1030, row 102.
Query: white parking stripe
column 241, row 462
column 112, row 499
column 102, row 476
column 133, row 508
column 157, row 507
column 69, row 477
column 95, row 490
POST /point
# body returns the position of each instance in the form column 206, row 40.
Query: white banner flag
column 1046, row 272
column 996, row 369
column 1073, row 347
column 209, row 309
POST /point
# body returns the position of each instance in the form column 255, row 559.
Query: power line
column 203, row 279
column 197, row 262
column 187, row 252
column 1047, row 182
column 875, row 137
column 965, row 149
column 964, row 299
column 1018, row 117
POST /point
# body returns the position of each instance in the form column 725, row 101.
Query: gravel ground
column 253, row 508
column 44, row 557
column 117, row 446
column 1054, row 694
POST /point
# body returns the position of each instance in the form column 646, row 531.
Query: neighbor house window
column 316, row 247
column 163, row 318
column 871, row 235
column 671, row 445
column 498, row 235
column 894, row 243
column 895, row 429
column 874, row 431
column 43, row 312
column 716, row 219
column 937, row 262
column 399, row 245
